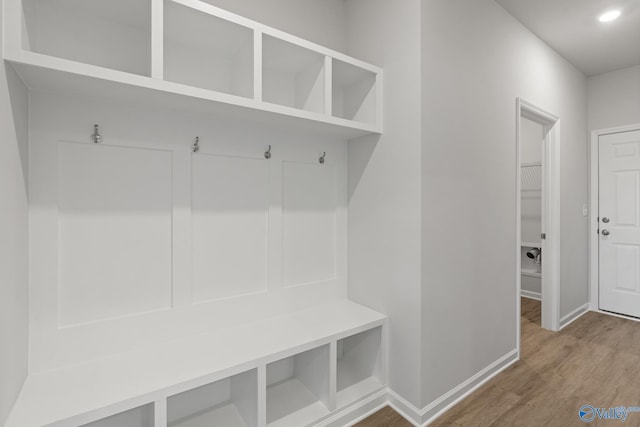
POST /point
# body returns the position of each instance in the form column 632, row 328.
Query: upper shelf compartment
column 293, row 76
column 95, row 32
column 354, row 93
column 190, row 54
column 204, row 51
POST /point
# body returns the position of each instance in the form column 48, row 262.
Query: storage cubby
column 137, row 417
column 359, row 366
column 113, row 34
column 231, row 402
column 208, row 52
column 292, row 75
column 353, row 93
column 298, row 388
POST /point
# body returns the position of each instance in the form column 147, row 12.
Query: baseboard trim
column 418, row 417
column 573, row 316
column 531, row 295
column 445, row 402
column 427, row 415
column 358, row 411
column 404, row 415
column 405, row 408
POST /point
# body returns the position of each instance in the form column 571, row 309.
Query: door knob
column 605, row 232
column 605, row 220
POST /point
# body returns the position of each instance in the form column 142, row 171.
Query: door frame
column 594, row 194
column 550, row 213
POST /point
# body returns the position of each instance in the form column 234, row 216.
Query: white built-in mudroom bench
column 188, row 193
column 283, row 371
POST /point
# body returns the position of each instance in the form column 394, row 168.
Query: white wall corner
column 574, row 315
column 405, row 408
column 431, row 412
column 438, row 407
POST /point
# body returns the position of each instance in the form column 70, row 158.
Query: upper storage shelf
column 92, row 32
column 190, row 54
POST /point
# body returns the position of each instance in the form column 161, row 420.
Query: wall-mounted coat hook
column 322, row 158
column 267, row 154
column 196, row 145
column 96, row 138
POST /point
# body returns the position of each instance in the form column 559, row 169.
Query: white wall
column 321, row 22
column 614, row 98
column 13, row 236
column 476, row 60
column 384, row 185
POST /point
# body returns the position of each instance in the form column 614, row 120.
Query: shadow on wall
column 360, row 153
column 20, row 112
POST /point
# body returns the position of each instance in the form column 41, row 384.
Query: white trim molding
column 594, row 299
column 409, row 411
column 550, row 214
column 574, row 315
column 445, row 402
column 418, row 417
column 531, row 295
column 435, row 409
column 358, row 411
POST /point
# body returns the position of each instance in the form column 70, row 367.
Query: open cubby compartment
column 292, row 76
column 112, row 34
column 230, row 402
column 359, row 367
column 298, row 388
column 353, row 93
column 137, row 417
column 208, row 52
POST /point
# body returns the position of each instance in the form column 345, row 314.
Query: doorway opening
column 538, row 197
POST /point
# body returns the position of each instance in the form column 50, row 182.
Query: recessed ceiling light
column 612, row 15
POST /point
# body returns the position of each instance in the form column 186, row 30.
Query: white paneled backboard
column 115, row 215
column 230, row 225
column 308, row 223
column 220, row 269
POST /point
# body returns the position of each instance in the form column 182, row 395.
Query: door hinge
column 543, row 236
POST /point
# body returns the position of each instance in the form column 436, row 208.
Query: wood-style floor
column 593, row 361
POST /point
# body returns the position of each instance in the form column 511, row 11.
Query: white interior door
column 619, row 222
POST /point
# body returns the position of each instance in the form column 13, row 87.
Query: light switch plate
column 585, row 210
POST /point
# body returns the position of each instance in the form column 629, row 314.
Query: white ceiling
column 571, row 27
